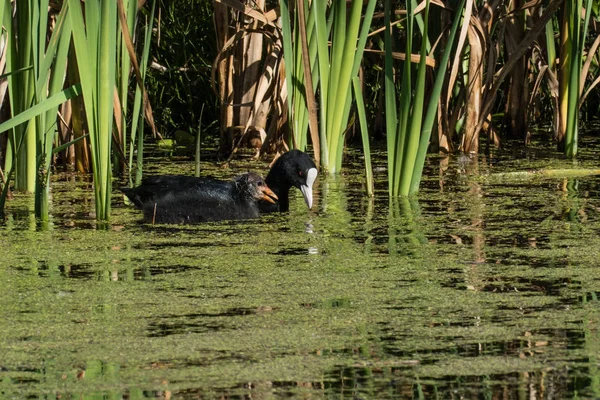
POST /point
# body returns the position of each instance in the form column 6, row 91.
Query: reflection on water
column 479, row 289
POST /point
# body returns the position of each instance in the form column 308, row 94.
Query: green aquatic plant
column 36, row 76
column 573, row 39
column 332, row 69
column 364, row 133
column 408, row 122
column 35, row 73
column 95, row 42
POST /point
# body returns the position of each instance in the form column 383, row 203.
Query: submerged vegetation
column 439, row 77
column 477, row 289
column 483, row 286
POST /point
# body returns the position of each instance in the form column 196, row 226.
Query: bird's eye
column 260, row 183
column 300, row 173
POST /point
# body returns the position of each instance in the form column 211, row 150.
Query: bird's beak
column 307, row 191
column 268, row 195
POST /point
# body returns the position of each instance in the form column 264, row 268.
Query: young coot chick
column 188, row 200
column 294, row 168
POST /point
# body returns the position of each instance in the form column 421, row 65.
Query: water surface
column 481, row 288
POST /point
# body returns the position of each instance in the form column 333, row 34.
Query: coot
column 294, row 168
column 173, row 199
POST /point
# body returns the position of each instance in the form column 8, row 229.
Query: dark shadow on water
column 559, row 304
column 195, row 323
column 292, row 251
column 163, row 329
column 164, row 269
column 395, row 382
column 223, row 227
column 91, row 272
column 534, row 260
column 331, row 303
column 505, row 284
column 83, row 271
column 174, row 244
column 546, row 287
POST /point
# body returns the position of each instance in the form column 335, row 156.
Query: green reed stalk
column 391, row 115
column 336, row 61
column 130, row 7
column 139, row 162
column 399, row 130
column 551, row 45
column 95, row 42
column 137, row 122
column 432, row 107
column 364, row 133
column 42, row 107
column 576, row 47
column 292, row 65
column 322, row 31
column 298, row 99
column 54, row 63
column 347, row 44
column 332, row 70
column 198, row 143
column 289, row 51
column 20, row 35
column 572, row 73
column 39, row 66
column 409, row 128
column 416, row 117
column 4, row 8
column 406, row 94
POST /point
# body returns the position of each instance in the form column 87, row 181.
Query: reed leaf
column 347, row 47
column 57, row 51
column 410, row 124
column 576, row 31
column 322, row 39
column 572, row 75
column 344, row 53
column 65, row 146
column 416, row 117
column 364, row 133
column 288, row 50
column 95, row 43
column 129, row 8
column 551, row 46
column 41, row 107
column 139, row 107
column 391, row 119
column 331, row 70
column 20, row 32
column 434, row 97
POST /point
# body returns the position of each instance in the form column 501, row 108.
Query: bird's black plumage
column 292, row 169
column 187, row 199
column 174, row 199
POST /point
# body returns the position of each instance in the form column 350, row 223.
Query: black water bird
column 293, row 169
column 176, row 199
